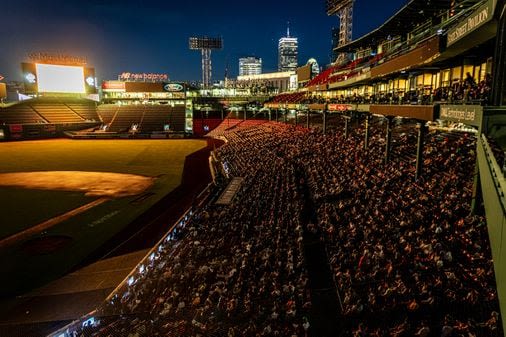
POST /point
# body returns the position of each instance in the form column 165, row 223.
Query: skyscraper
column 288, row 52
column 250, row 66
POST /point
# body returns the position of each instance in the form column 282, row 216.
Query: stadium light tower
column 343, row 9
column 206, row 45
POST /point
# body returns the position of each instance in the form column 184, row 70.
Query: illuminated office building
column 287, row 53
column 250, row 66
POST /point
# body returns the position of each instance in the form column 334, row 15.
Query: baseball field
column 60, row 200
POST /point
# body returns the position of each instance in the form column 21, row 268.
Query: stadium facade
column 279, row 81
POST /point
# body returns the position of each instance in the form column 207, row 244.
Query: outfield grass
column 21, row 208
column 144, row 157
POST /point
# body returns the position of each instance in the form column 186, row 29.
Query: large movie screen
column 60, row 79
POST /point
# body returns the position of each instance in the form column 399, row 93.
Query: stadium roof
column 415, row 12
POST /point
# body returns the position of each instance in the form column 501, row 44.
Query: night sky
column 152, row 36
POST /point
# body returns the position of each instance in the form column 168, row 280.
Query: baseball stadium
column 366, row 200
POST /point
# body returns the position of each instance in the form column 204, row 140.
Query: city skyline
column 151, row 36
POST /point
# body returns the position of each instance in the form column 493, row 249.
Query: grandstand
column 124, row 118
column 406, row 59
column 20, row 114
column 145, row 118
column 137, row 110
column 126, row 109
column 375, row 208
column 56, row 113
column 47, row 118
column 107, row 112
column 74, row 115
column 86, row 111
column 154, row 118
column 330, row 202
column 50, row 111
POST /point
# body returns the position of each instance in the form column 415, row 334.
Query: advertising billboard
column 113, row 86
column 173, row 87
column 3, row 90
column 142, row 77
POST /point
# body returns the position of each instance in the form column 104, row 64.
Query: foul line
column 10, row 240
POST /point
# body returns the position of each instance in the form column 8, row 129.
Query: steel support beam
column 422, row 130
column 324, row 122
column 388, row 138
column 346, row 126
column 367, row 127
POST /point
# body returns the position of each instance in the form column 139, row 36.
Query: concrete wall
column 493, row 186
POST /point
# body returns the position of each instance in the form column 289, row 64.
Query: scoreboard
column 41, row 78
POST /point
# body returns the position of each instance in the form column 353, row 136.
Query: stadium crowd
column 407, row 258
column 233, row 270
column 404, row 252
column 465, row 91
